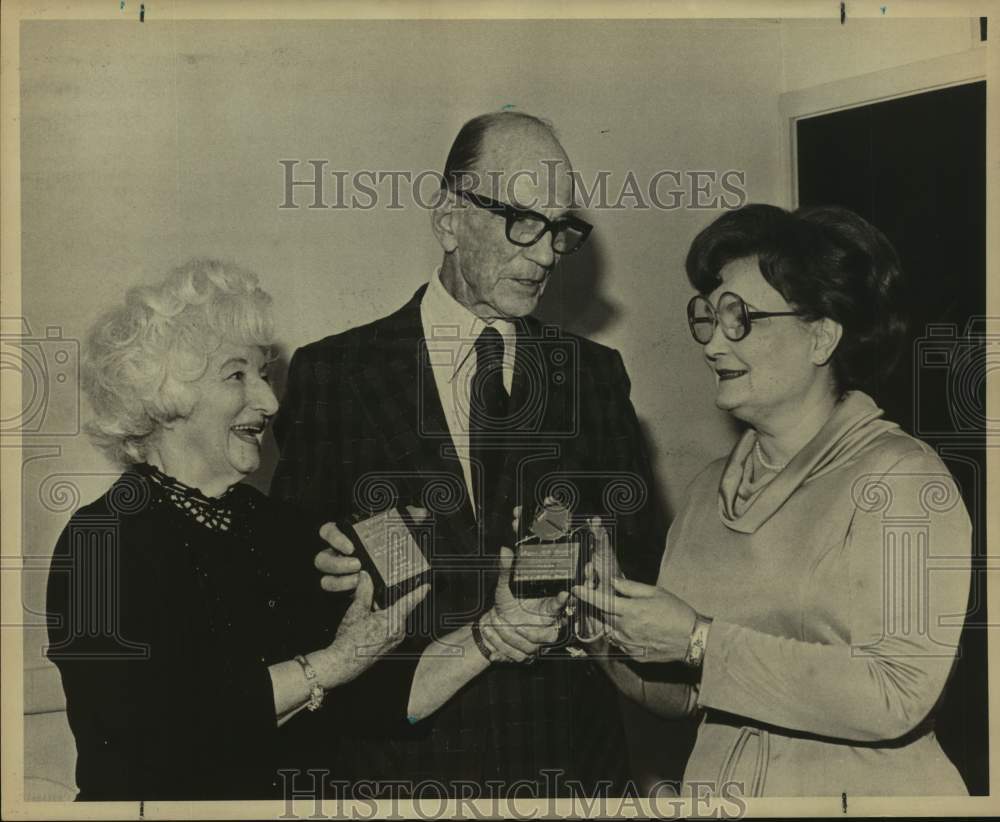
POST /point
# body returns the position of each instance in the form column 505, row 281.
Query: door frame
column 900, row 81
column 977, row 64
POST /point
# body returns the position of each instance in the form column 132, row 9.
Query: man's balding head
column 496, row 144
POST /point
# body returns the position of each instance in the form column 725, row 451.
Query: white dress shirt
column 451, row 331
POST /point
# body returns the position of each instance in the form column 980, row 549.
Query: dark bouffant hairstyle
column 826, row 261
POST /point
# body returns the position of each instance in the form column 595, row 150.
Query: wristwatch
column 477, row 637
column 699, row 639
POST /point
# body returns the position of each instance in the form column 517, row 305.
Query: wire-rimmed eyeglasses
column 731, row 312
column 526, row 227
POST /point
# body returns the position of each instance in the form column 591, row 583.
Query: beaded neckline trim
column 214, row 514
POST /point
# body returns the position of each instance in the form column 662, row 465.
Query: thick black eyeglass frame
column 748, row 316
column 512, row 215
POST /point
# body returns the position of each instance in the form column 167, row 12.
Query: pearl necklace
column 770, row 466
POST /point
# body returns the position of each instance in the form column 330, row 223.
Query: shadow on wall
column 574, row 299
column 659, row 489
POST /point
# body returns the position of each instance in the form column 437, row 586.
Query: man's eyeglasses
column 526, row 227
column 731, row 312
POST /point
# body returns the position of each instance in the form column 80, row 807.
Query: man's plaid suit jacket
column 361, row 427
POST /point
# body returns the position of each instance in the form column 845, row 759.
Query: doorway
column 915, row 167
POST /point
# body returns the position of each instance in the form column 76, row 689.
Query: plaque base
column 543, row 568
column 389, row 550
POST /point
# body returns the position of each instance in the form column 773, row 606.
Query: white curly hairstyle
column 140, row 358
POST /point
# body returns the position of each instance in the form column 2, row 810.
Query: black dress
column 166, row 609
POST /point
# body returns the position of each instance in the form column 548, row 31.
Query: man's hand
column 340, row 569
column 518, row 628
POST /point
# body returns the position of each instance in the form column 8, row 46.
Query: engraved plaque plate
column 390, row 553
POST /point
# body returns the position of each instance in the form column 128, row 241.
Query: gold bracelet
column 316, row 692
column 699, row 639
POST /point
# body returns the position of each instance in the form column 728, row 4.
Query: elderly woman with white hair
column 188, row 625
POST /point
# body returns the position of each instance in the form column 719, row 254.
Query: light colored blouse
column 838, row 587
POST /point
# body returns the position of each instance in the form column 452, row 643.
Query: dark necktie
column 487, row 418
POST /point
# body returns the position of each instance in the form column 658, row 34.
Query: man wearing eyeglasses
column 464, row 404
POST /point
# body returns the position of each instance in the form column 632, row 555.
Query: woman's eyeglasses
column 525, row 228
column 731, row 312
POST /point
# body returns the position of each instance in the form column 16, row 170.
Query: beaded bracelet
column 316, row 692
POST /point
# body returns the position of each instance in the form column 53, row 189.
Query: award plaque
column 391, row 554
column 551, row 558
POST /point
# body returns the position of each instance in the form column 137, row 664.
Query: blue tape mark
column 507, row 106
column 412, row 720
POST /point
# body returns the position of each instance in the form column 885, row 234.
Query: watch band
column 477, row 637
column 316, row 692
column 699, row 639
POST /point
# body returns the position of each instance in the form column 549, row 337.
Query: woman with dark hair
column 795, row 608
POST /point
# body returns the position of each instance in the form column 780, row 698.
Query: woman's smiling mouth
column 249, row 432
column 729, row 373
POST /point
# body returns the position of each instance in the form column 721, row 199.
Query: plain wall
column 820, row 51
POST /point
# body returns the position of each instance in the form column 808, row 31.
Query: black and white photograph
column 498, row 410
